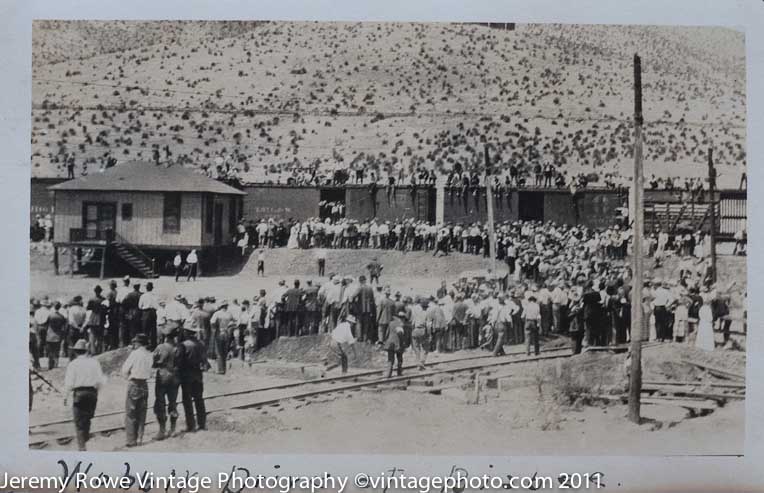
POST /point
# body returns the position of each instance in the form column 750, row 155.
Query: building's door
column 218, row 223
column 99, row 220
column 531, row 206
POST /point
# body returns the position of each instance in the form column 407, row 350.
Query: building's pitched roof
column 141, row 176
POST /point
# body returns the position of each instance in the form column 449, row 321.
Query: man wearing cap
column 166, row 384
column 191, row 361
column 83, row 380
column 222, row 322
column 111, row 335
column 394, row 343
column 342, row 337
column 149, row 304
column 137, row 371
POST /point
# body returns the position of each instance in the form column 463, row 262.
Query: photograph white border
column 649, row 473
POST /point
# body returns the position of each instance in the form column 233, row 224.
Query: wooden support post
column 635, row 374
column 103, row 261
column 489, row 200
column 71, row 260
column 712, row 205
column 55, row 259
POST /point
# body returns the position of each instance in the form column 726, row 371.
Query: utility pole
column 712, row 204
column 489, row 199
column 635, row 374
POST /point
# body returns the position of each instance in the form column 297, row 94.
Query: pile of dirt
column 112, row 361
column 290, row 262
column 316, row 349
column 600, row 371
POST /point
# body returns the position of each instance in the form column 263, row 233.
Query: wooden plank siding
column 146, row 225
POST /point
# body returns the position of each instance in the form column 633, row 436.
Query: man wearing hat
column 394, row 343
column 131, row 314
column 41, row 314
column 137, row 370
column 342, row 337
column 222, row 324
column 420, row 334
column 365, row 308
column 54, row 335
column 83, row 380
column 166, row 385
column 191, row 361
column 94, row 321
column 76, row 322
column 149, row 304
column 385, row 313
column 176, row 313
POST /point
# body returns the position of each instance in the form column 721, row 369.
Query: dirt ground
column 523, row 414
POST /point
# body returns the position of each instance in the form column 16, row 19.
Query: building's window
column 171, row 213
column 210, row 203
column 127, row 212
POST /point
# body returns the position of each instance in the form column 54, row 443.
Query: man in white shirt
column 177, row 264
column 148, row 304
column 559, row 304
column 662, row 301
column 532, row 316
column 342, row 338
column 500, row 318
column 137, row 371
column 84, row 378
column 192, row 260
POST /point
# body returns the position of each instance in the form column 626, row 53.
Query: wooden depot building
column 140, row 214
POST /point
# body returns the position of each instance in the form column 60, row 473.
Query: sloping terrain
column 272, row 97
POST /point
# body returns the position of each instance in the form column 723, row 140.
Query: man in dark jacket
column 191, row 361
column 292, row 302
column 365, row 308
column 394, row 344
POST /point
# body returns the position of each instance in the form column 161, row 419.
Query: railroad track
column 60, row 431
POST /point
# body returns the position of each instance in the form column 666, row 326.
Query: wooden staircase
column 135, row 258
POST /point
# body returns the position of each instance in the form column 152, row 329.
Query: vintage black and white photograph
column 281, row 237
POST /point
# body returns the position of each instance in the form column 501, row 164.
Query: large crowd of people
column 132, row 105
column 559, row 281
column 578, row 277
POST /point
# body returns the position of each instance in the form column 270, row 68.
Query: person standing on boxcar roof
column 83, row 380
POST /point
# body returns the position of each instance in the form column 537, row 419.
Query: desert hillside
column 271, row 97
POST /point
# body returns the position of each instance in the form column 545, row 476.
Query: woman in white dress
column 705, row 339
column 293, row 236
